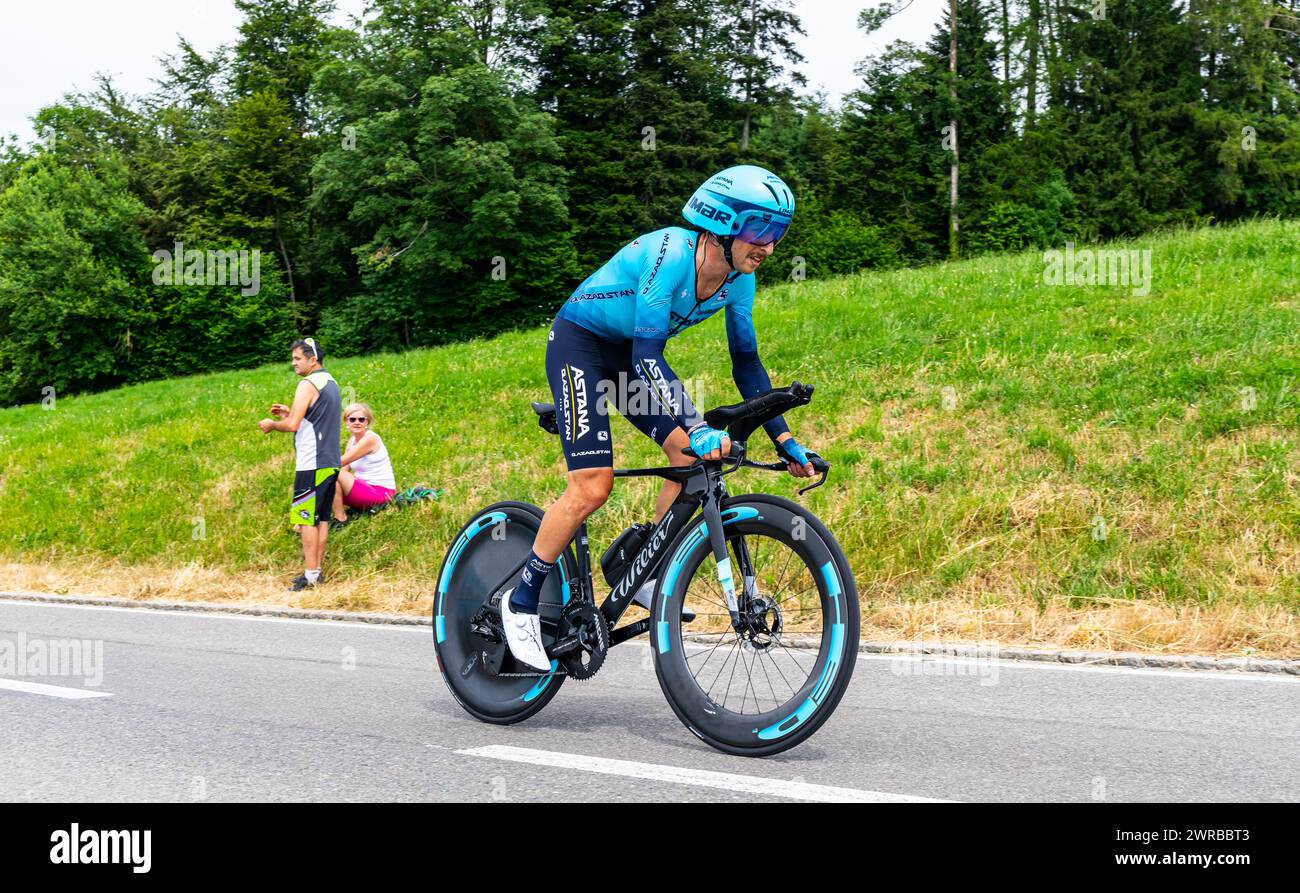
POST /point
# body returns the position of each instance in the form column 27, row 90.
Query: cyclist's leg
column 643, row 409
column 672, row 447
column 575, row 367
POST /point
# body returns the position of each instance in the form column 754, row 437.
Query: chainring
column 589, row 624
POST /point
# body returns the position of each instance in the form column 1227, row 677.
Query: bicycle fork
column 722, row 559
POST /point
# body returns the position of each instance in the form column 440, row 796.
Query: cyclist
column 608, row 342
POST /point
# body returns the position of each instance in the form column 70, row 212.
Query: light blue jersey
column 645, row 295
column 647, row 290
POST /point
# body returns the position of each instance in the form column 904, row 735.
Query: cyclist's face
column 299, row 362
column 748, row 256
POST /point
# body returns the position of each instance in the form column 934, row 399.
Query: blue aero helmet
column 745, row 202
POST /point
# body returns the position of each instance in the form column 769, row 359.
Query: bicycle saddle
column 546, row 417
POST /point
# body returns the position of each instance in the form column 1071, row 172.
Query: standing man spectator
column 314, row 421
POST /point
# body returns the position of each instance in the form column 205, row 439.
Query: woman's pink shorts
column 367, row 496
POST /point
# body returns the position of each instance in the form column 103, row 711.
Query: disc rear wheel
column 473, row 658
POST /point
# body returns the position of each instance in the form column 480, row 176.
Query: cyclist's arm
column 650, row 333
column 747, row 369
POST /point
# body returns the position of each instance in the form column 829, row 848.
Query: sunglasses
column 357, row 418
column 762, row 233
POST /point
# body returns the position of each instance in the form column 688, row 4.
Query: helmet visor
column 760, row 232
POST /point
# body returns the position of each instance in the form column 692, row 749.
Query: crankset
column 581, row 640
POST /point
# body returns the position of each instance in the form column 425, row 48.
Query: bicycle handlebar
column 740, row 420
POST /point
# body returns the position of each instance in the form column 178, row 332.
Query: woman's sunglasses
column 357, row 418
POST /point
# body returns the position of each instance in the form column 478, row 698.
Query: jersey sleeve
column 747, row 370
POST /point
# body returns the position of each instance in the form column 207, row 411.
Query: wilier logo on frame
column 190, row 266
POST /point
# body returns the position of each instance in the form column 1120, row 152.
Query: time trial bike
column 752, row 650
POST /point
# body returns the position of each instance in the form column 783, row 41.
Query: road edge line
column 985, row 651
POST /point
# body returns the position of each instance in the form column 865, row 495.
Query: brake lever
column 818, row 464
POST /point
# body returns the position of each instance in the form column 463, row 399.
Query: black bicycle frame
column 702, row 488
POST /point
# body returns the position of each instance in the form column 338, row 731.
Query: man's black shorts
column 313, row 496
column 587, row 374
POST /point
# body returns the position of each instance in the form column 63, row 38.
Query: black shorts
column 587, row 374
column 313, row 496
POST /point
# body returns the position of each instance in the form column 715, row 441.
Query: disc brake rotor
column 764, row 626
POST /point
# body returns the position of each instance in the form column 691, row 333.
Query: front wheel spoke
column 797, row 597
column 716, row 679
column 731, row 679
column 795, row 661
column 715, row 601
column 749, row 680
column 782, row 675
column 785, row 567
column 722, row 637
column 708, row 657
column 752, row 689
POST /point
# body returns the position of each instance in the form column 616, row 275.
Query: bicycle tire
column 792, row 722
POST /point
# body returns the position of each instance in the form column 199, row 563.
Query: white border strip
column 423, row 628
column 726, row 781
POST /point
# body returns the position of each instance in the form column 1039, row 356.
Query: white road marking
column 53, row 691
column 1161, row 672
column 745, row 784
column 1006, row 663
column 423, row 628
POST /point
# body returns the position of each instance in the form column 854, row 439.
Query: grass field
column 1013, row 461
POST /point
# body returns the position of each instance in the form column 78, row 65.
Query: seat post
column 584, row 560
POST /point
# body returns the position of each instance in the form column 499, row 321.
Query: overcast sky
column 52, row 47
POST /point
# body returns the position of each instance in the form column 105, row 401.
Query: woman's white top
column 375, row 468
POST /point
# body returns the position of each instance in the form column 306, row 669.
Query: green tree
column 757, row 39
column 888, row 133
column 72, row 264
column 446, row 187
column 1247, row 125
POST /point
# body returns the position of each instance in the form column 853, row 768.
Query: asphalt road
column 228, row 708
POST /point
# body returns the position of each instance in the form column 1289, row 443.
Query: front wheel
column 764, row 680
column 476, row 663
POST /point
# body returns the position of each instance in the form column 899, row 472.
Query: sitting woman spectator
column 366, row 478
